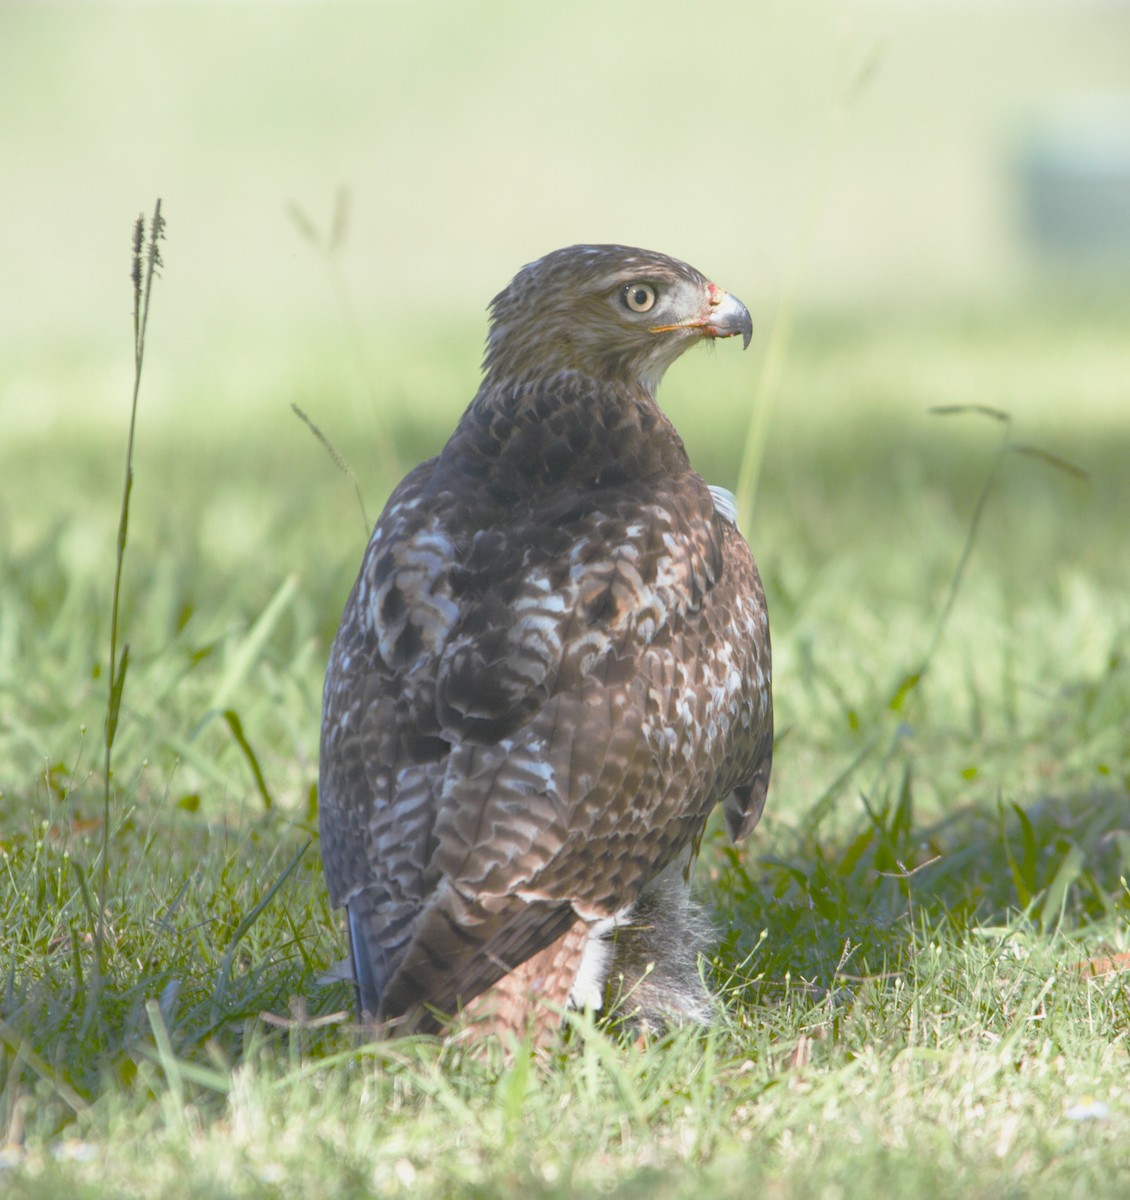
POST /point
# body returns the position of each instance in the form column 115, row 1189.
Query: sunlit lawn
column 922, row 951
column 900, row 943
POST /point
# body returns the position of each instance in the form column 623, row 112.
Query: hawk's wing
column 522, row 727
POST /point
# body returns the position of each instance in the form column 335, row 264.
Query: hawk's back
column 553, row 665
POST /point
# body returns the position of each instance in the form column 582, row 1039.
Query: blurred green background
column 864, row 154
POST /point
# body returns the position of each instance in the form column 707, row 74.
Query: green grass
column 899, row 941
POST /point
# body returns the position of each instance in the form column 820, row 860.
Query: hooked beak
column 728, row 317
column 725, row 316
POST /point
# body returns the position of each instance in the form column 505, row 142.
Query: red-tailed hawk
column 553, row 665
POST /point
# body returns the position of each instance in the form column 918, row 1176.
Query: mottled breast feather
column 553, row 665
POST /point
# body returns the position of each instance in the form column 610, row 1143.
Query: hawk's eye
column 639, row 297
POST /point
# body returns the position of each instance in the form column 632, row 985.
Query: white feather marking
column 541, row 771
column 725, row 504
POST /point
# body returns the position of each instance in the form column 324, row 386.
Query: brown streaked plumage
column 553, row 665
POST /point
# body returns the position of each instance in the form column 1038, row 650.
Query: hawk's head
column 610, row 312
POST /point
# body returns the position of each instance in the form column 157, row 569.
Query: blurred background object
column 1075, row 173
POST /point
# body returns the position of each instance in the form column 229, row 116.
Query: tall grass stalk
column 144, row 262
column 906, row 692
column 338, row 459
column 768, row 387
column 1006, row 447
column 329, row 245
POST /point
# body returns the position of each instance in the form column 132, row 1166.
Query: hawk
column 553, row 665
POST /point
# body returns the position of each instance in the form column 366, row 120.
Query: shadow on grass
column 825, row 908
column 189, row 978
